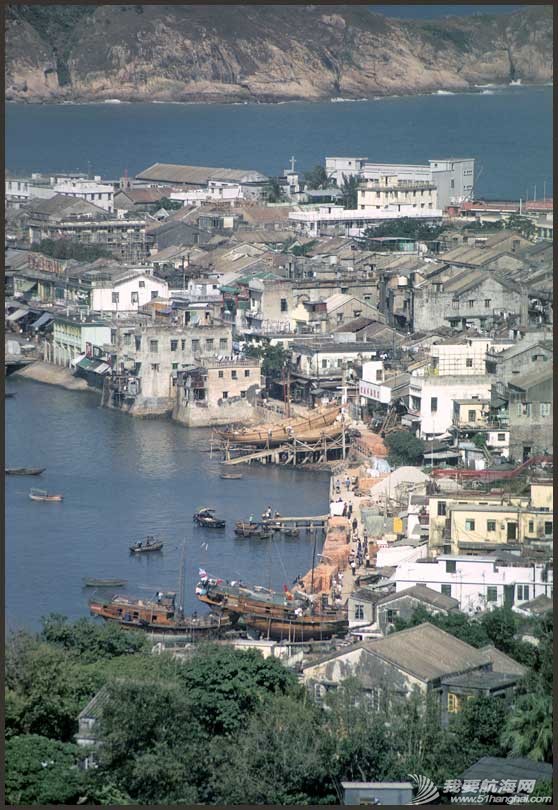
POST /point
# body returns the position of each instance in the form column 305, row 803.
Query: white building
column 337, row 167
column 432, row 397
column 19, row 190
column 353, row 222
column 127, row 291
column 101, row 194
column 215, row 192
column 391, row 193
column 478, row 583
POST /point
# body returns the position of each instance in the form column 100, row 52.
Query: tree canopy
column 317, row 178
column 69, row 249
column 406, row 228
column 404, row 449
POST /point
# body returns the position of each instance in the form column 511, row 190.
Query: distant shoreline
column 474, row 90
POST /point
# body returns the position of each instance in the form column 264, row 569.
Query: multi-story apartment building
column 479, row 582
column 389, row 192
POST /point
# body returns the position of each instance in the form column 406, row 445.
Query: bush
column 404, row 449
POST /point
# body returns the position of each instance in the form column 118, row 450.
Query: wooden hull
column 239, row 605
column 304, row 628
column 105, row 583
column 25, row 470
column 152, row 619
column 301, row 428
column 47, row 498
column 209, row 523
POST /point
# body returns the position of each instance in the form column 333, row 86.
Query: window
column 115, row 297
column 127, row 339
column 454, row 703
column 446, row 589
column 470, row 303
column 469, row 362
column 174, row 345
column 243, row 394
column 433, row 404
column 223, row 343
column 324, row 363
column 135, row 297
column 209, row 343
column 195, row 345
column 501, row 437
column 234, row 374
column 246, row 372
column 220, row 374
column 154, row 366
column 142, row 284
column 154, row 294
column 548, row 527
column 487, row 303
column 523, row 593
column 470, row 525
column 153, row 346
column 359, row 611
column 531, row 527
column 490, row 525
column 451, row 566
column 545, row 408
column 472, row 416
column 441, row 508
column 391, row 615
column 492, row 593
column 183, row 344
column 284, row 305
column 225, row 394
column 174, row 366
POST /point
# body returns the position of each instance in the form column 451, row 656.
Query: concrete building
column 402, row 604
column 252, row 183
column 147, row 359
column 124, row 290
column 334, row 219
column 218, row 392
column 454, row 179
column 530, row 398
column 339, row 167
column 75, row 337
column 388, row 193
column 432, row 398
column 478, row 583
column 466, row 522
column 101, row 194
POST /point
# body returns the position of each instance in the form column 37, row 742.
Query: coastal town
column 375, row 321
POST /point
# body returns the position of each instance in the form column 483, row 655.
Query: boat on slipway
column 158, row 615
column 302, row 428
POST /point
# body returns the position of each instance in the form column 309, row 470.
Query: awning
column 19, row 313
column 45, row 318
column 96, row 366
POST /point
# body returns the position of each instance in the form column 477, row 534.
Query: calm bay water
column 508, row 130
column 124, row 478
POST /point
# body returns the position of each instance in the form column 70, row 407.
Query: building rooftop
column 424, row 594
column 502, row 662
column 197, row 175
column 482, row 680
column 508, row 768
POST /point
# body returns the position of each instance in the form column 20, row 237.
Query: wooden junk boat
column 25, row 470
column 276, row 615
column 158, row 615
column 147, row 545
column 206, row 517
column 42, row 495
column 303, row 428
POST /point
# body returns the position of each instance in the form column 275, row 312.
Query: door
column 526, row 452
column 512, row 531
column 509, row 593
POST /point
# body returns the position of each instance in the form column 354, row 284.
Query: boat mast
column 181, row 581
column 313, row 562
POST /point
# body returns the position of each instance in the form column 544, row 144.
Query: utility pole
column 544, row 191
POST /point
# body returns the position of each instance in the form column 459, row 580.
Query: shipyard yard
column 279, row 438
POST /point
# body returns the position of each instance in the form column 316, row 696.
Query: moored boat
column 90, row 582
column 147, row 545
column 158, row 615
column 231, row 476
column 42, row 495
column 243, row 529
column 205, row 517
column 25, row 470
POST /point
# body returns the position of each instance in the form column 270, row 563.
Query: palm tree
column 349, row 189
column 528, row 730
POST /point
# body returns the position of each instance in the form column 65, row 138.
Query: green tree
column 404, row 449
column 41, row 771
column 274, row 191
column 349, row 190
column 522, row 225
column 406, row 228
column 528, row 729
column 274, row 359
column 91, row 641
column 316, row 178
column 170, row 205
column 69, row 249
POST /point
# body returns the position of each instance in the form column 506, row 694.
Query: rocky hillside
column 263, row 53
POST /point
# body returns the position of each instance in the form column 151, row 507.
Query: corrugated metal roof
column 197, row 175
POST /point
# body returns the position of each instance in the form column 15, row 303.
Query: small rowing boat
column 42, row 495
column 231, row 476
column 25, row 470
column 104, row 583
column 147, row 545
